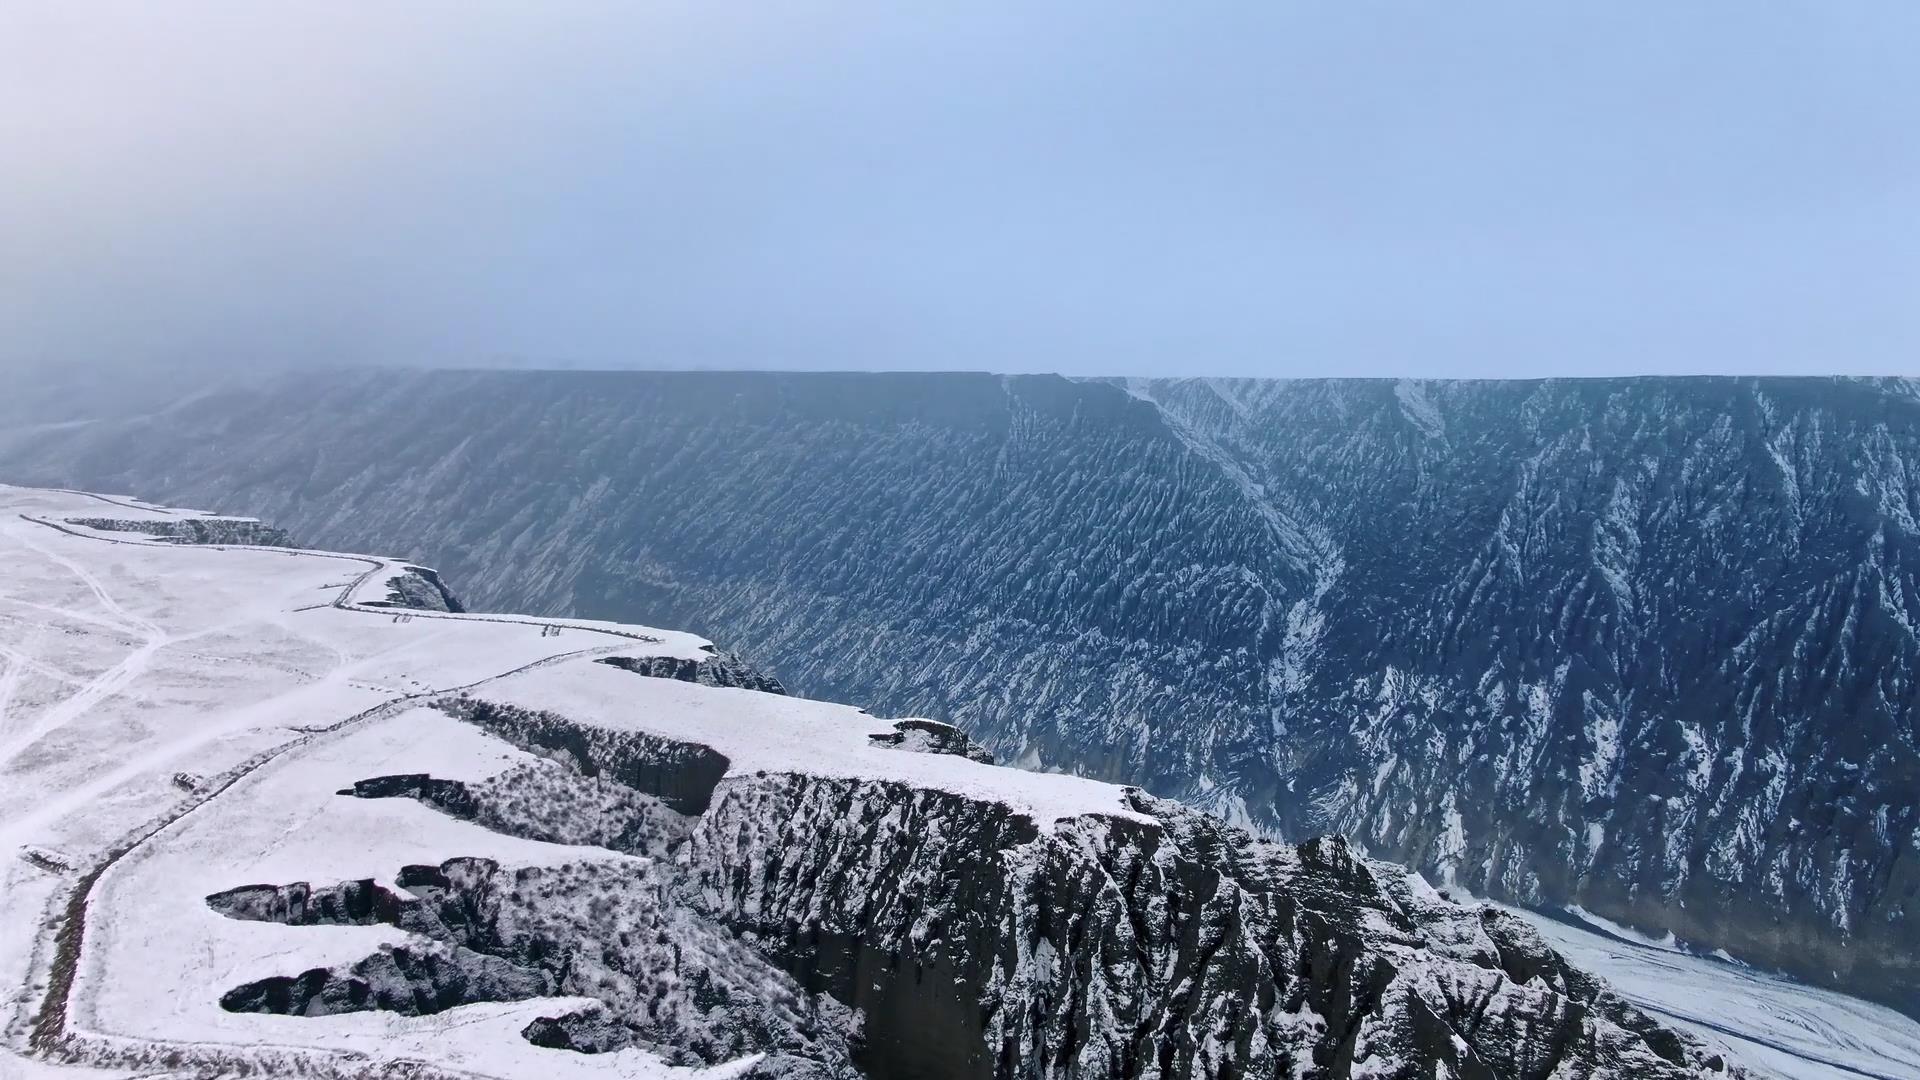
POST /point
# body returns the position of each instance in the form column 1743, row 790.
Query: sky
column 1276, row 188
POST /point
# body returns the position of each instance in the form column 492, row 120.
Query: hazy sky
column 1285, row 188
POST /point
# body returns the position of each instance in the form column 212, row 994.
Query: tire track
column 102, row 686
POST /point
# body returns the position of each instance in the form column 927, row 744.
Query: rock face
column 421, row 589
column 847, row 927
column 1642, row 645
column 722, row 669
column 196, row 530
column 933, row 737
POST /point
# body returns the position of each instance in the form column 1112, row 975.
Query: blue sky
column 1467, row 189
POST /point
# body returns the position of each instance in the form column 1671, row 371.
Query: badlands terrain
column 1642, row 646
column 294, row 812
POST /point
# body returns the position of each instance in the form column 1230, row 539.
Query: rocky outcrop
column 195, row 530
column 849, row 926
column 604, row 929
column 1644, row 645
column 418, row 588
column 681, row 775
column 1105, row 947
column 349, row 903
column 545, row 800
column 721, row 669
column 412, row 981
column 933, row 737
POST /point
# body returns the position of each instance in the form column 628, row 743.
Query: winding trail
column 98, row 589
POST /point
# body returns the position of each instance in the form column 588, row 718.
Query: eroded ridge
column 721, row 669
column 847, row 925
column 933, row 737
column 193, row 530
column 548, row 801
column 603, row 929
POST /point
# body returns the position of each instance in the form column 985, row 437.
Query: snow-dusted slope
column 254, row 823
column 1641, row 645
column 140, row 677
column 1780, row 1029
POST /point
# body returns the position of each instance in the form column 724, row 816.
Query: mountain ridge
column 1640, row 645
column 440, row 844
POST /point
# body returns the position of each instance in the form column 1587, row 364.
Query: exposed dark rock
column 670, row 982
column 1113, row 947
column 682, row 775
column 349, row 903
column 547, row 800
column 587, row 1032
column 192, row 530
column 450, row 796
column 721, row 669
column 933, row 737
column 967, row 940
column 419, row 589
column 422, row 588
column 414, row 981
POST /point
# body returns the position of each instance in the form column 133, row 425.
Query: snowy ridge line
column 100, row 933
column 47, row 1033
column 345, row 601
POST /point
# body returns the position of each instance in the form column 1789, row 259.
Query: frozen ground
column 140, row 680
column 285, row 822
column 1776, row 1027
column 178, row 720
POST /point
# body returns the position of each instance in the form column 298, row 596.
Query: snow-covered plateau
column 285, row 812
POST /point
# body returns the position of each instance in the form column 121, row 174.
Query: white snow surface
column 771, row 733
column 1778, row 1028
column 185, row 716
column 139, row 679
column 284, row 822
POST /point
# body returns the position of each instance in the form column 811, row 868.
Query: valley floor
column 1775, row 1026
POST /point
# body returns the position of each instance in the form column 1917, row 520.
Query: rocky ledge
column 206, row 530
